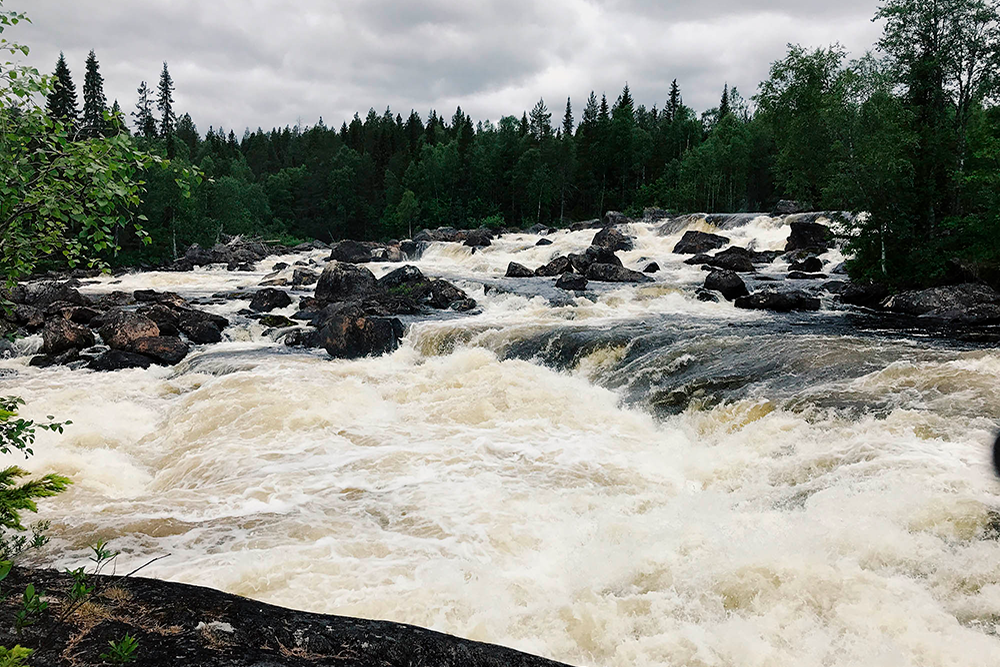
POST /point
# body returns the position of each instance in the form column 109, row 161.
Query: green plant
column 14, row 657
column 122, row 651
column 32, row 605
column 80, row 589
column 19, row 434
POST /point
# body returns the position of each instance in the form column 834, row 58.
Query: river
column 628, row 478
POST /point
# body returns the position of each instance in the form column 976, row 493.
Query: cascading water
column 631, row 477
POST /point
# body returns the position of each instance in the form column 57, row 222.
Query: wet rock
column 573, row 282
column 30, row 317
column 866, row 295
column 166, row 298
column 810, row 236
column 515, row 270
column 441, row 235
column 81, row 314
column 274, row 282
column 276, row 321
column 479, row 238
column 706, row 295
column 116, row 360
column 351, row 252
column 835, row 286
column 799, row 275
column 699, row 243
column 410, row 249
column 808, row 265
column 349, row 334
column 615, row 274
column 778, row 301
column 278, row 266
column 699, row 259
column 269, row 299
column 613, row 240
column 463, row 305
column 42, row 295
column 787, row 207
column 556, row 267
column 199, row 330
column 164, row 350
column 120, row 329
column 301, row 337
column 734, row 259
column 195, row 255
column 589, row 224
column 61, row 334
column 652, row 267
column 341, row 281
column 62, row 359
column 400, row 276
column 965, row 303
column 115, row 299
column 727, row 283
column 617, row 218
column 542, row 242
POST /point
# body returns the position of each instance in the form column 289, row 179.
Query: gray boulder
column 697, row 243
column 727, row 283
column 342, row 281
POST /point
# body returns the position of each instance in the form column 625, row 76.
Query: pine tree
column 674, row 102
column 95, row 104
column 724, row 108
column 567, row 125
column 589, row 121
column 61, row 103
column 165, row 103
column 145, row 124
column 523, row 129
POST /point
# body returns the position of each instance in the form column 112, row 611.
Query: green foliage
column 19, row 434
column 122, row 651
column 14, row 657
column 32, row 606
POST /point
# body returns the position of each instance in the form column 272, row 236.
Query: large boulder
column 341, row 281
column 778, row 301
column 946, row 303
column 613, row 240
column 199, row 330
column 60, row 335
column 611, row 273
column 734, row 259
column 304, row 277
column 728, row 283
column 787, row 207
column 269, row 299
column 350, row 334
column 515, row 270
column 479, row 238
column 807, row 265
column 697, row 243
column 164, row 350
column 868, row 295
column 352, row 252
column 615, row 218
column 121, row 328
column 401, row 276
column 556, row 267
column 810, row 236
column 43, row 295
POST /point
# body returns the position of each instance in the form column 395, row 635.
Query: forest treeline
column 909, row 134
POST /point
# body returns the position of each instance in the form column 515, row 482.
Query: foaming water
column 629, row 477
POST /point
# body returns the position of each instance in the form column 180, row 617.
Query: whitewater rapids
column 629, row 478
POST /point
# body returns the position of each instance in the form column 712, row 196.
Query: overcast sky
column 240, row 63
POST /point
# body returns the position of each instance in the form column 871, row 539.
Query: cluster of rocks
column 807, row 241
column 597, row 263
column 118, row 330
column 353, row 314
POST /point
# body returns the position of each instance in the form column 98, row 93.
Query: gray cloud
column 240, row 63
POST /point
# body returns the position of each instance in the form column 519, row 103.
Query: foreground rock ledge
column 177, row 624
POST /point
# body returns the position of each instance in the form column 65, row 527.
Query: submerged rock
column 652, row 267
column 781, row 302
column 116, row 360
column 542, row 242
column 166, row 350
column 611, row 273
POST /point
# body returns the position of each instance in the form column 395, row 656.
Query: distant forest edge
column 909, row 133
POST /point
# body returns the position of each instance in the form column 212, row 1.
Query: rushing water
column 633, row 478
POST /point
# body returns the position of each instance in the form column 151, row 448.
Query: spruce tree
column 145, row 124
column 540, row 121
column 567, row 125
column 165, row 103
column 523, row 129
column 674, row 102
column 61, row 102
column 724, row 108
column 590, row 112
column 117, row 125
column 95, row 105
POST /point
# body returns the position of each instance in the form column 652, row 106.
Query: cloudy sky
column 240, row 63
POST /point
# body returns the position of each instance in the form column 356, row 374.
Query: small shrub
column 122, row 651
